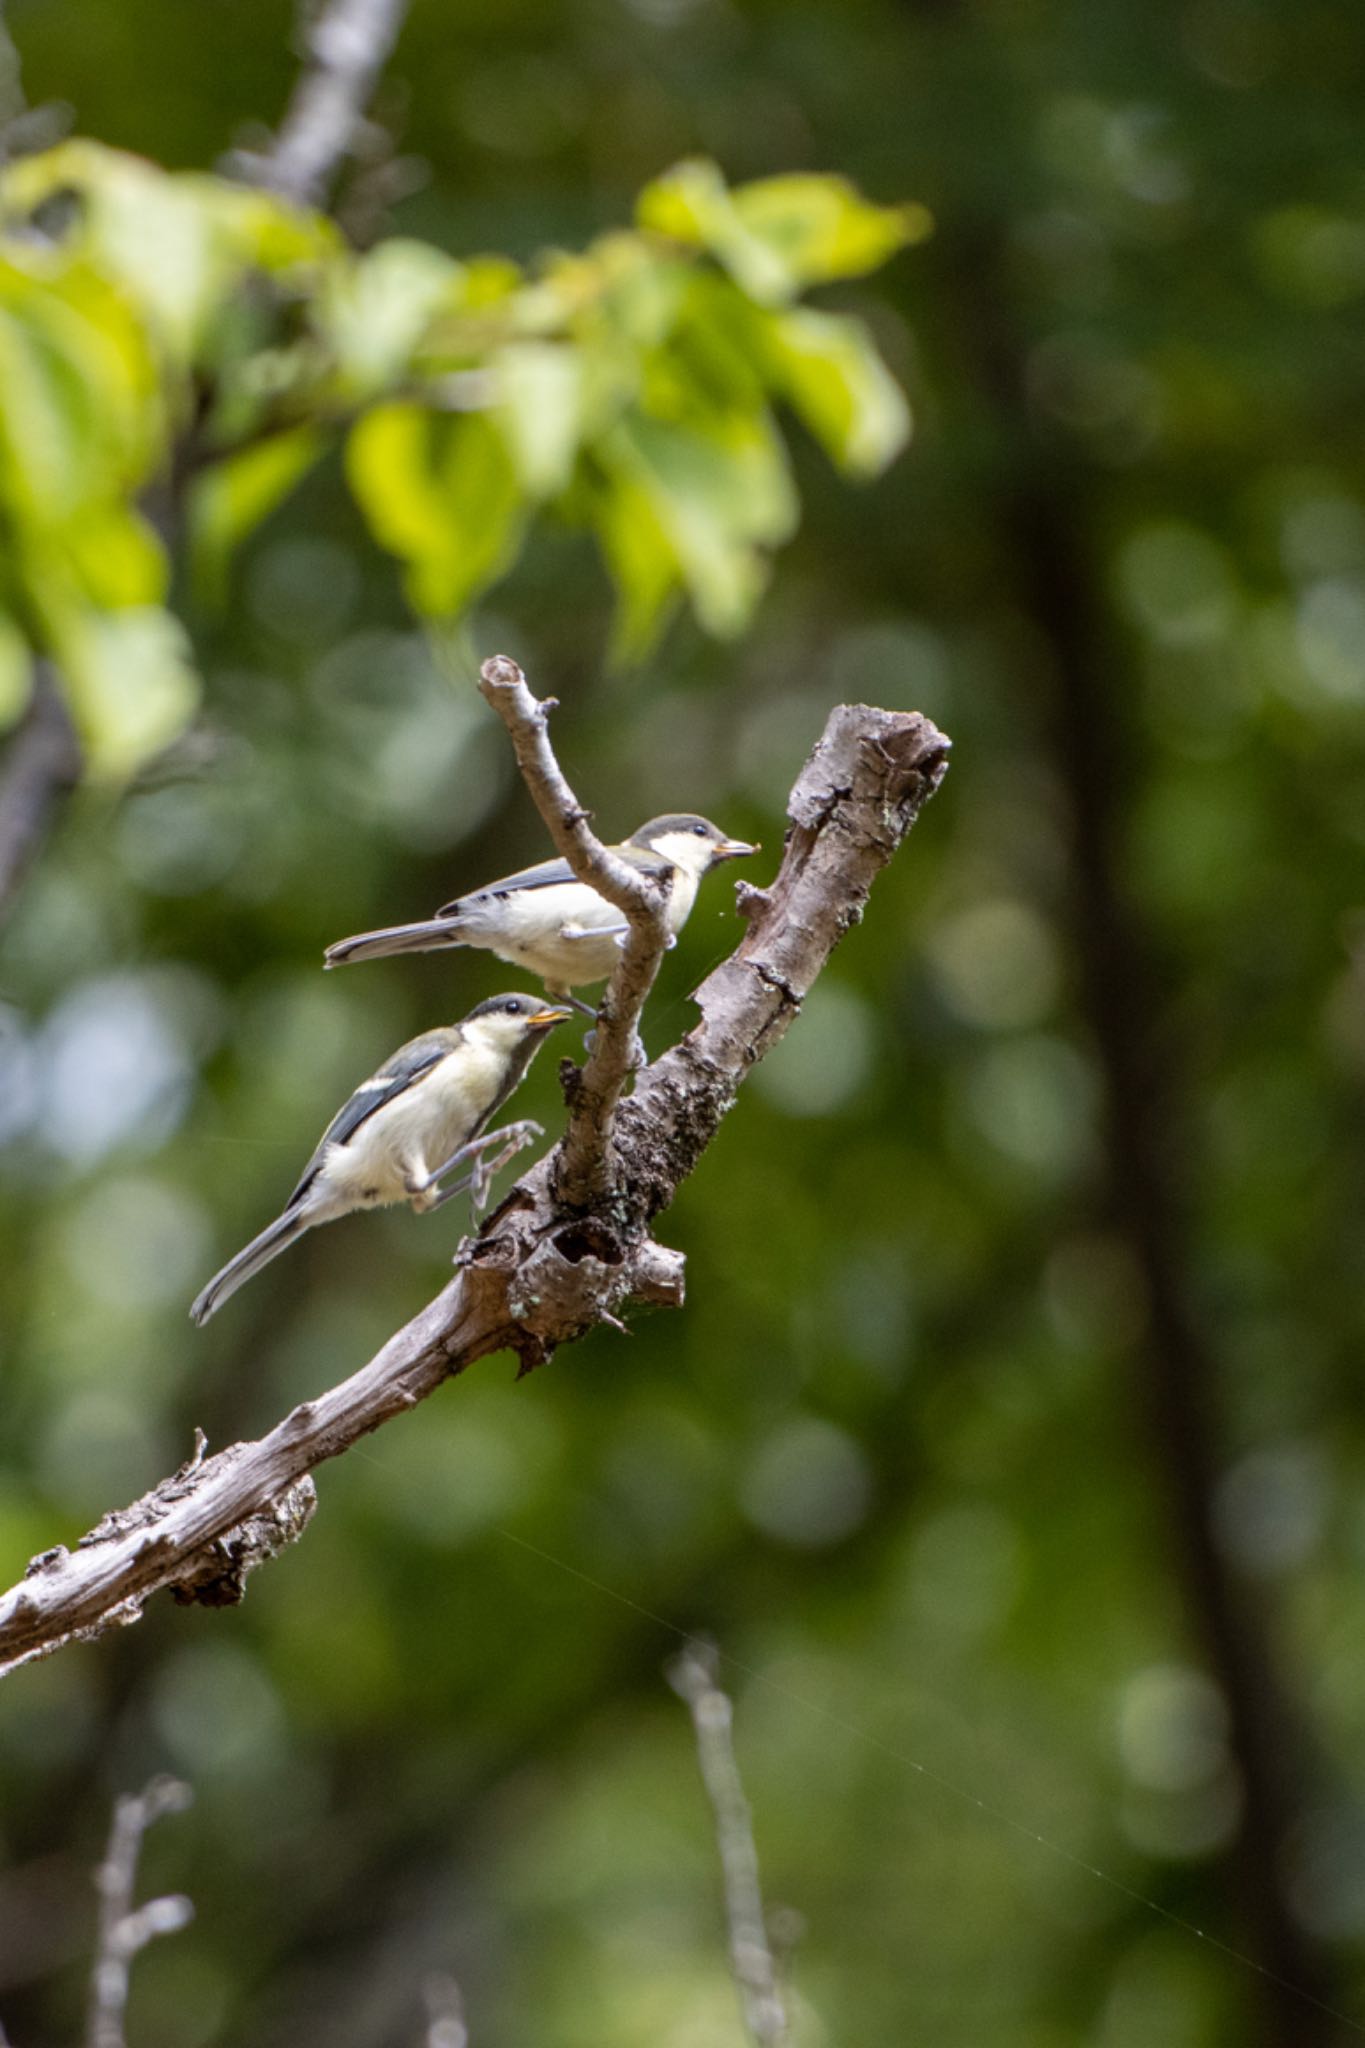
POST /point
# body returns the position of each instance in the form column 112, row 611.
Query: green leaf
column 16, row 673
column 828, row 368
column 820, row 227
column 177, row 243
column 132, row 685
column 778, row 235
column 540, row 385
column 720, row 497
column 692, row 204
column 441, row 492
column 376, row 311
column 80, row 417
column 118, row 557
column 231, row 498
column 640, row 559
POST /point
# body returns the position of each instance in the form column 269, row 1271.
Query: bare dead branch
column 347, row 44
column 693, row 1676
column 41, row 766
column 540, row 1273
column 584, row 1163
column 124, row 1928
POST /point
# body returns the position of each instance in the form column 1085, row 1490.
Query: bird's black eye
column 701, row 831
column 513, row 1008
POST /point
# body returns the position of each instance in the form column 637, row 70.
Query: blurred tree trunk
column 1042, row 519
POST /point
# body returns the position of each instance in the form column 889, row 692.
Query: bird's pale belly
column 413, row 1135
column 539, row 930
column 561, row 962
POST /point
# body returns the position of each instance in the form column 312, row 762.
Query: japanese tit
column 545, row 920
column 422, row 1115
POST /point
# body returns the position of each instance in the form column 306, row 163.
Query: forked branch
column 584, row 1173
column 542, row 1271
column 125, row 1928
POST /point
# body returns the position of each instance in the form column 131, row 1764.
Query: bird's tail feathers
column 429, row 937
column 249, row 1260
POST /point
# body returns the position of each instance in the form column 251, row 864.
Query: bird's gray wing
column 548, row 873
column 407, row 1065
column 543, row 876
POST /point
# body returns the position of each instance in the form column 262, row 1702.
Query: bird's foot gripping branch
column 570, row 1247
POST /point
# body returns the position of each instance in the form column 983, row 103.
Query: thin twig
column 347, row 44
column 24, row 129
column 540, row 1274
column 124, row 1929
column 445, row 2026
column 692, row 1676
column 41, row 766
column 584, row 1156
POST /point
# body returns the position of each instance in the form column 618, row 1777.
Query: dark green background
column 929, row 1450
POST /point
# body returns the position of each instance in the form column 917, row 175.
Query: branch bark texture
column 543, row 1270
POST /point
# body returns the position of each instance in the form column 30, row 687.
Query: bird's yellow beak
column 736, row 849
column 544, row 1019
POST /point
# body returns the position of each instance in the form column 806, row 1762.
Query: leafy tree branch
column 161, row 327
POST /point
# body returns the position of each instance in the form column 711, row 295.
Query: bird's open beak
column 735, row 849
column 544, row 1019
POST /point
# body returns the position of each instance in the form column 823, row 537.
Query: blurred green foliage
column 890, row 1452
column 629, row 388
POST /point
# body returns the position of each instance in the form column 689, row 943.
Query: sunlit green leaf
column 641, row 560
column 176, row 242
column 540, row 385
column 132, row 685
column 829, row 369
column 118, row 557
column 16, row 673
column 375, row 311
column 441, row 492
column 692, row 204
column 79, row 418
column 231, row 498
column 488, row 280
column 820, row 227
column 780, row 234
column 721, row 497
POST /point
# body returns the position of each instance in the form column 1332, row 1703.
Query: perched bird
column 547, row 921
column 424, row 1113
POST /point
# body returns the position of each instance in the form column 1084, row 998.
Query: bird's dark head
column 689, row 841
column 514, row 1017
